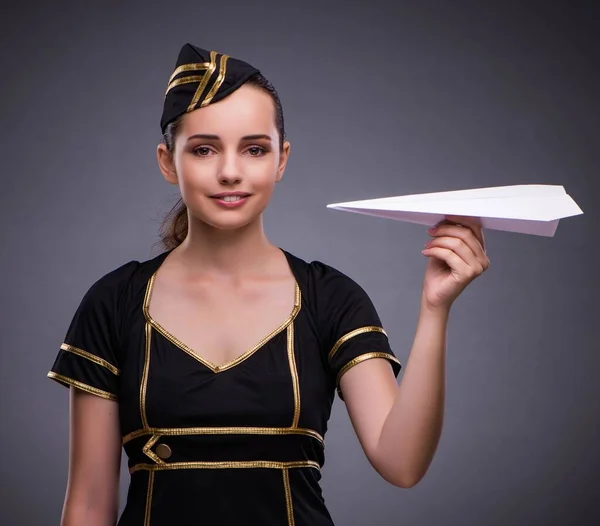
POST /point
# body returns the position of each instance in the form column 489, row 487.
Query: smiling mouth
column 230, row 198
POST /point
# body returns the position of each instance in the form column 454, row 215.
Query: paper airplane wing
column 527, row 209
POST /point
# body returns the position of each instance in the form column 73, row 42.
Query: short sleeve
column 88, row 358
column 351, row 330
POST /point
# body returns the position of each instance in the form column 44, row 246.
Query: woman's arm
column 92, row 496
column 399, row 426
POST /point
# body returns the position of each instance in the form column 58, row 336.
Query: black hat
column 201, row 77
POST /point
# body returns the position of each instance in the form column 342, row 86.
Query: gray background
column 379, row 100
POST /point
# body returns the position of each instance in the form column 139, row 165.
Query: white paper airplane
column 527, row 209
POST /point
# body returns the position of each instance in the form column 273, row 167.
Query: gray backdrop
column 379, row 100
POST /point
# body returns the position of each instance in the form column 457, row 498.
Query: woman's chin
column 228, row 224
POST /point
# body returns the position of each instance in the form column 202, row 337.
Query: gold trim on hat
column 184, row 80
column 208, row 67
column 218, row 82
column 205, row 78
column 196, row 66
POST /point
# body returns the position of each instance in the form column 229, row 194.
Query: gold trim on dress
column 359, row 359
column 245, row 464
column 289, row 505
column 294, row 374
column 184, row 431
column 91, row 357
column 352, row 334
column 149, row 493
column 205, row 78
column 148, row 451
column 65, row 380
column 144, row 384
column 218, row 82
column 213, row 367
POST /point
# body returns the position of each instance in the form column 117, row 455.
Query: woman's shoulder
column 321, row 275
column 339, row 304
column 129, row 276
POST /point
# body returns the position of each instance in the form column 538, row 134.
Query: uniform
column 242, row 443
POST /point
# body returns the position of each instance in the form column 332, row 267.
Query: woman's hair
column 175, row 224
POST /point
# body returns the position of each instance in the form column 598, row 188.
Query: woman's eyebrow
column 210, row 137
column 204, row 136
column 256, row 137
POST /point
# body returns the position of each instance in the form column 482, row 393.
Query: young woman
column 215, row 364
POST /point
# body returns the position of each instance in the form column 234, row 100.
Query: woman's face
column 226, row 148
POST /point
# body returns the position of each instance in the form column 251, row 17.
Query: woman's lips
column 231, row 203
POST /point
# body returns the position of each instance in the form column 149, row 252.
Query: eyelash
column 262, row 150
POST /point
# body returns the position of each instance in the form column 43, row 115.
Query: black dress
column 242, row 443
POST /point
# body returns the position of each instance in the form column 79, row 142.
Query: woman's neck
column 226, row 253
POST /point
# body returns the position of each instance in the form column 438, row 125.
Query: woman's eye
column 202, row 151
column 255, row 151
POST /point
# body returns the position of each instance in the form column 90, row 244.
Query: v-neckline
column 194, row 354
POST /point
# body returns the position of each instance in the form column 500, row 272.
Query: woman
column 215, row 364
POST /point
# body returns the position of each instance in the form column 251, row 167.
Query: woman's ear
column 283, row 159
column 166, row 164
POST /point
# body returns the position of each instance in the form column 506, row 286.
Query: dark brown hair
column 175, row 224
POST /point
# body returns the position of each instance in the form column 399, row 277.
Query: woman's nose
column 229, row 172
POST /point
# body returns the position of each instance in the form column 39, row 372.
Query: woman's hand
column 456, row 257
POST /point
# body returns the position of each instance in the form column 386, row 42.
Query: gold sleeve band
column 65, row 380
column 91, row 357
column 352, row 334
column 359, row 359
